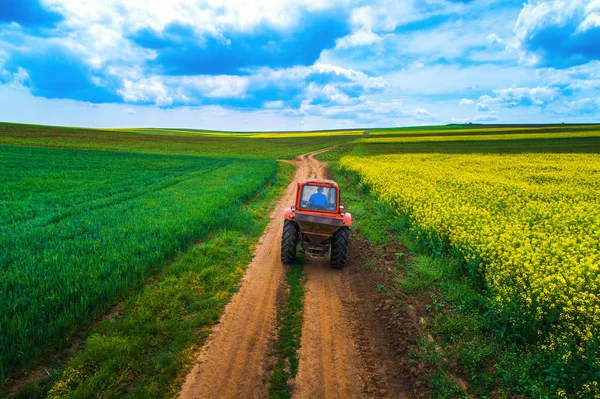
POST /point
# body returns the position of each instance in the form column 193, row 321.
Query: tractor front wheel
column 289, row 242
column 339, row 248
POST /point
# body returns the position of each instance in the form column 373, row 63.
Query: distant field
column 253, row 135
column 175, row 141
column 481, row 129
column 553, row 138
column 81, row 227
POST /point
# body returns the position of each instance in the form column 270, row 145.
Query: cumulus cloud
column 359, row 38
column 520, row 96
column 579, row 107
column 180, row 49
column 559, row 33
column 480, row 107
column 127, row 51
column 422, row 113
column 147, row 90
column 581, row 78
column 494, row 39
column 322, row 84
column 375, row 62
column 274, row 104
column 367, row 111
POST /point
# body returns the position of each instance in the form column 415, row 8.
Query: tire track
column 234, row 361
column 331, row 365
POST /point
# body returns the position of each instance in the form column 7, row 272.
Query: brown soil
column 355, row 338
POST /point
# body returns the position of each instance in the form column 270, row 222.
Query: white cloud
column 583, row 106
column 582, row 80
column 166, row 90
column 302, row 72
column 275, row 104
column 520, row 96
column 358, row 38
column 203, row 15
column 590, row 22
column 422, row 113
column 493, row 38
column 222, row 86
column 417, row 85
column 146, row 90
column 328, row 93
column 384, row 15
column 480, row 107
column 537, row 26
column 364, row 112
column 387, row 15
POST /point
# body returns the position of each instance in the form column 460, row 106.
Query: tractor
column 318, row 222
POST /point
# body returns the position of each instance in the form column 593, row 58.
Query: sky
column 298, row 64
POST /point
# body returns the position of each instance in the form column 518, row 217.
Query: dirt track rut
column 329, row 362
column 234, row 361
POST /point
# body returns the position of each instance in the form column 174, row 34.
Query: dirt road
column 336, row 358
column 233, row 363
column 329, row 362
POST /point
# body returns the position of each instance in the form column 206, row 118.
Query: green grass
column 171, row 141
column 81, row 228
column 290, row 318
column 146, row 350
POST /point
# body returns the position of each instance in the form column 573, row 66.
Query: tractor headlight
column 342, row 213
column 293, row 208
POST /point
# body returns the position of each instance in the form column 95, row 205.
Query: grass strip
column 288, row 340
column 147, row 347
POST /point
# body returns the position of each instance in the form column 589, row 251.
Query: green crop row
column 169, row 141
column 80, row 228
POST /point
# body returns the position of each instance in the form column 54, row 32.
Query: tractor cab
column 318, row 195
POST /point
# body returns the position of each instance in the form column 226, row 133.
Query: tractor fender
column 347, row 219
column 288, row 214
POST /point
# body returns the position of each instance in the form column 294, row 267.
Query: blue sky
column 298, row 64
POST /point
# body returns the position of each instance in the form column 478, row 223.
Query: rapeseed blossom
column 530, row 223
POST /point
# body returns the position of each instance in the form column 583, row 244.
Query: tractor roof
column 320, row 182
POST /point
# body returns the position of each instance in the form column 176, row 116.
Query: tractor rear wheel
column 339, row 248
column 289, row 241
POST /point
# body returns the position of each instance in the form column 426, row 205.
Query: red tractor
column 318, row 222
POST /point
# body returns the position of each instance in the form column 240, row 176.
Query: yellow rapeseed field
column 529, row 222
